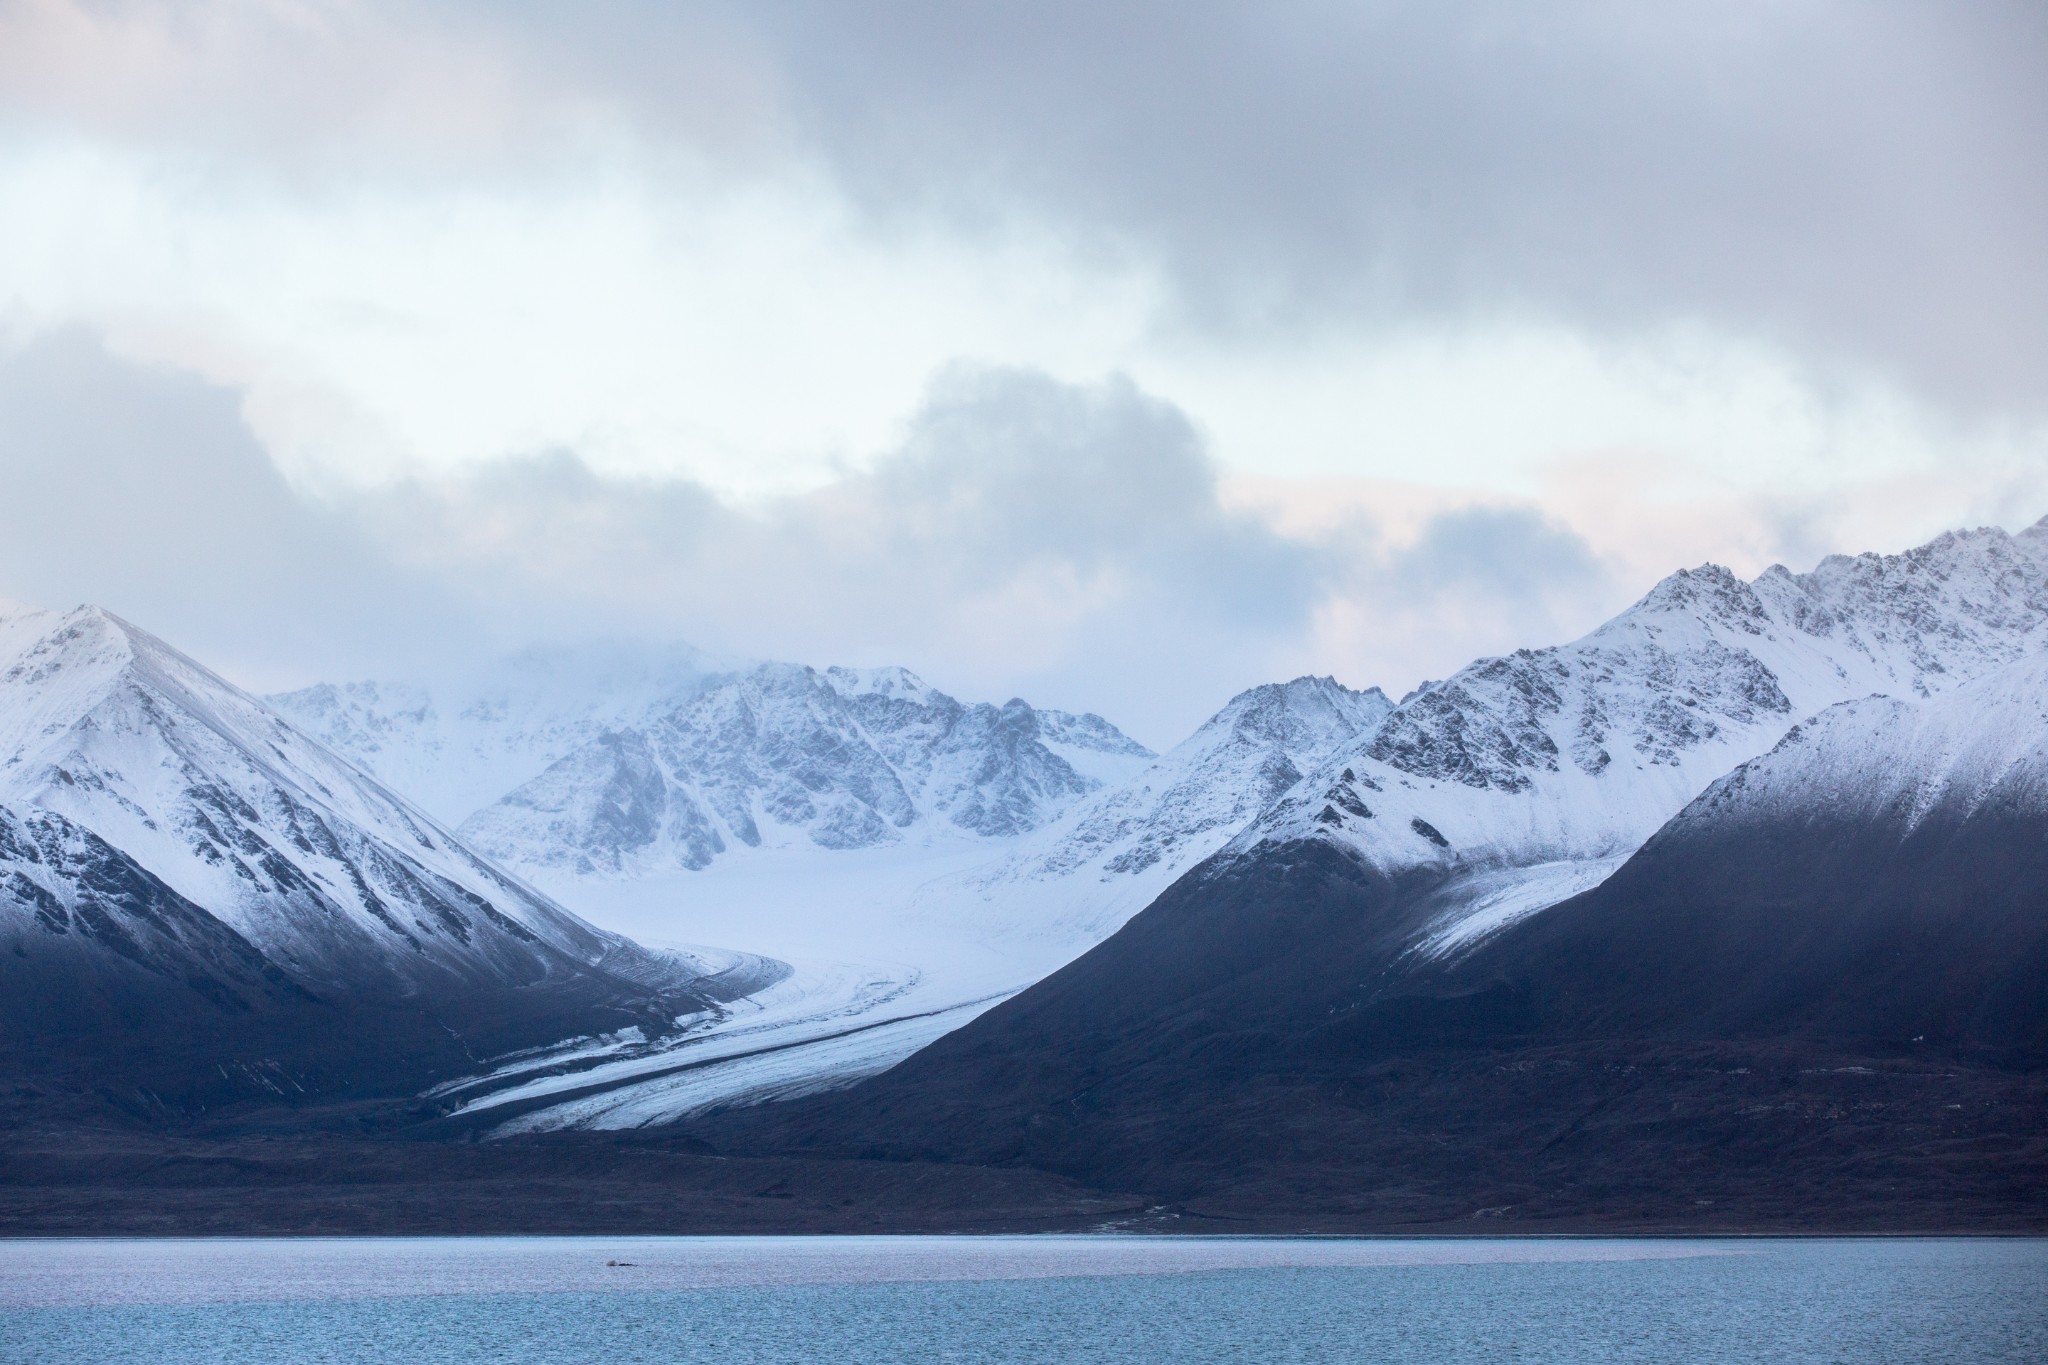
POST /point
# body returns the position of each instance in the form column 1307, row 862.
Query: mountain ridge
column 842, row 757
column 1359, row 976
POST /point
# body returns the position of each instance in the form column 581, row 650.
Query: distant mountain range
column 843, row 758
column 1743, row 834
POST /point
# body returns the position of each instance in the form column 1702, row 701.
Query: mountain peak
column 879, row 682
column 1202, row 791
column 1707, row 590
column 55, row 668
column 842, row 758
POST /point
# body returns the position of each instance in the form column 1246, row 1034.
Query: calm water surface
column 1123, row 1299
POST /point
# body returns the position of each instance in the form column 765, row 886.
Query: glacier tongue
column 832, row 818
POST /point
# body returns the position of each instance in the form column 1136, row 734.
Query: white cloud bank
column 1076, row 544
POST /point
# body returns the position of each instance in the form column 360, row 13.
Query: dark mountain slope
column 1880, row 879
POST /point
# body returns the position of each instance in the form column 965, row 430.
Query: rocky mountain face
column 159, row 820
column 840, row 759
column 1207, row 788
column 110, row 939
column 682, row 767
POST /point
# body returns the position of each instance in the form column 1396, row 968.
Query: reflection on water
column 1022, row 1298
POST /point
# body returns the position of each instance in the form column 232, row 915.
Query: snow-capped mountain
column 841, row 759
column 1879, row 876
column 1536, row 773
column 457, row 744
column 882, row 863
column 1189, row 803
column 822, row 817
column 133, row 777
column 1835, row 957
column 1897, row 767
column 678, row 766
column 1514, row 785
column 1901, row 768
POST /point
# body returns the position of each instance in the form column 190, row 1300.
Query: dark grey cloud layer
column 1064, row 542
column 1864, row 182
column 1860, row 181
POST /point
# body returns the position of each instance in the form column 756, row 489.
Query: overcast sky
column 1115, row 355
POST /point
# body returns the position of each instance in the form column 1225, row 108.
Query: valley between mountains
column 1733, row 912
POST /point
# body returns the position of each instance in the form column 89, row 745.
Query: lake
column 1081, row 1299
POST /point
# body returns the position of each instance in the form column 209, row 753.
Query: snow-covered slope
column 1571, row 756
column 1880, row 875
column 1892, row 764
column 69, row 893
column 112, row 740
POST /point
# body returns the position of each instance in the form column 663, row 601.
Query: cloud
column 1548, row 301
column 1856, row 181
column 1072, row 543
column 1786, row 251
column 1026, row 535
column 1076, row 544
column 143, row 491
column 1514, row 554
column 1069, row 543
